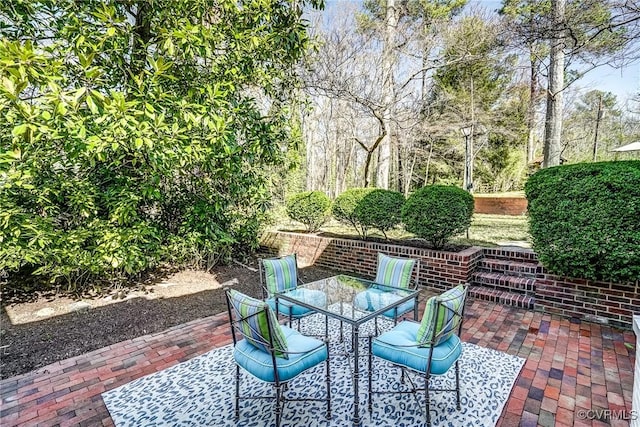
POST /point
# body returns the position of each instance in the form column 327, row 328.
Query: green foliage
column 344, row 208
column 585, row 219
column 478, row 73
column 437, row 213
column 381, row 209
column 594, row 111
column 312, row 208
column 427, row 12
column 133, row 133
column 500, row 165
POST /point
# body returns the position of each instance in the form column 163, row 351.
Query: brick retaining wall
column 438, row 269
column 602, row 302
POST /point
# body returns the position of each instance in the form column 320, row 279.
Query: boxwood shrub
column 437, row 213
column 312, row 208
column 585, row 219
column 344, row 207
column 381, row 209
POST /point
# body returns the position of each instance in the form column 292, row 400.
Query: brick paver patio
column 572, row 367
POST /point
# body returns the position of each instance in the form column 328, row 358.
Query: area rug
column 200, row 392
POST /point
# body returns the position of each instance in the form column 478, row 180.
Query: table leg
column 356, row 377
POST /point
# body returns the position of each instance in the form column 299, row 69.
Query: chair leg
column 237, row 400
column 370, row 405
column 427, row 404
column 278, row 405
column 326, row 329
column 458, row 385
column 328, row 375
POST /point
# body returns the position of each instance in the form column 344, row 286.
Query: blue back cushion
column 394, row 271
column 445, row 321
column 256, row 319
column 280, row 274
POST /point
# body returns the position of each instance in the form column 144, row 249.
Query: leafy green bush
column 585, row 219
column 116, row 156
column 344, row 208
column 437, row 213
column 381, row 209
column 312, row 208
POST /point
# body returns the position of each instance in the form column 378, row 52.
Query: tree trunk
column 553, row 123
column 595, row 136
column 531, row 114
column 384, row 155
column 141, row 38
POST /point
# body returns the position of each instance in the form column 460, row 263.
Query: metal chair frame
column 280, row 386
column 266, row 294
column 413, row 284
column 457, row 317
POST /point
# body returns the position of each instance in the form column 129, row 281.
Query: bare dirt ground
column 55, row 327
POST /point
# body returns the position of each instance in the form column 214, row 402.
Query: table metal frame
column 355, row 323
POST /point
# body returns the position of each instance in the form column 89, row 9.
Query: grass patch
column 493, row 230
column 485, row 230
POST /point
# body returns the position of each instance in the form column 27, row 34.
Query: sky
column 624, row 83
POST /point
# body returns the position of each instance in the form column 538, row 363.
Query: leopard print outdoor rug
column 200, row 392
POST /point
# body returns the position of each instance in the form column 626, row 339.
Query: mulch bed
column 29, row 346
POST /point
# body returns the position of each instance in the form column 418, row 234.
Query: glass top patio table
column 340, row 304
column 341, row 292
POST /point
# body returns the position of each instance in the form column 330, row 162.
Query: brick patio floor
column 571, row 367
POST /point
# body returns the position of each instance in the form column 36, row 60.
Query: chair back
column 397, row 271
column 255, row 321
column 278, row 274
column 451, row 309
column 443, row 317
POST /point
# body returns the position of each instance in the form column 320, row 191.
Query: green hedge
column 437, row 213
column 381, row 209
column 585, row 219
column 344, row 208
column 312, row 208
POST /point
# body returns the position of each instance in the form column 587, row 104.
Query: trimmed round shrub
column 344, row 207
column 381, row 209
column 311, row 208
column 585, row 219
column 438, row 212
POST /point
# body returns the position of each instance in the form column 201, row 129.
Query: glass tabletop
column 347, row 298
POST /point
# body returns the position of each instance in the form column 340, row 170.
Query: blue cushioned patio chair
column 281, row 274
column 270, row 352
column 391, row 271
column 428, row 348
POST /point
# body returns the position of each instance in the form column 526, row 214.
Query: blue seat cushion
column 310, row 296
column 307, row 353
column 388, row 346
column 374, row 299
